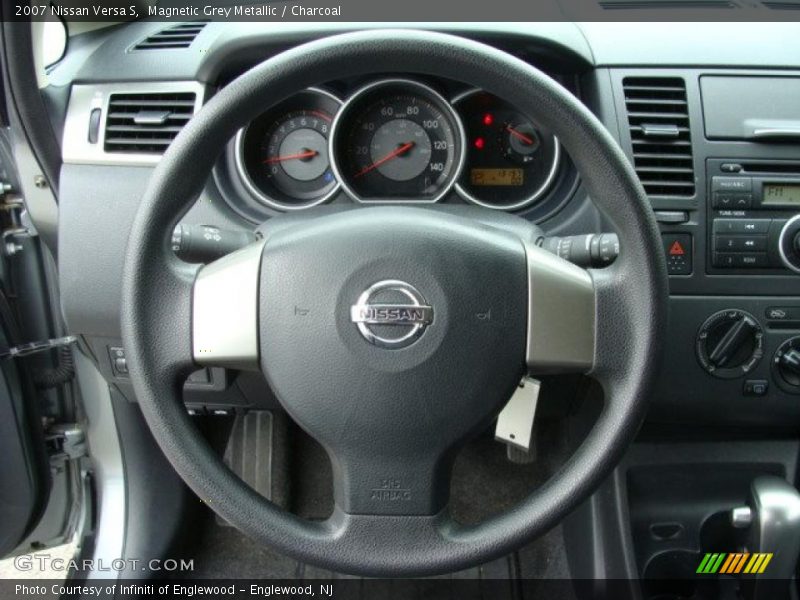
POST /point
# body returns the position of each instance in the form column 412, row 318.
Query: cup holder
column 672, row 574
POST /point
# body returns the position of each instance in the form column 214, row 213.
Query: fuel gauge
column 520, row 141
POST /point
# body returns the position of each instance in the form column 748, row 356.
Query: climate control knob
column 786, row 366
column 730, row 343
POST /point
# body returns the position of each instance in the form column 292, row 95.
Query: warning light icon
column 677, row 249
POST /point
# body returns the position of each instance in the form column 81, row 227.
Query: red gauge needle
column 298, row 156
column 520, row 136
column 402, row 149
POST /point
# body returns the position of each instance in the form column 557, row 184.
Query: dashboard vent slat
column 156, row 102
column 131, row 127
column 658, row 121
column 175, row 37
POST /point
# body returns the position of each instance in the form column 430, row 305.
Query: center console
column 718, row 152
column 753, row 229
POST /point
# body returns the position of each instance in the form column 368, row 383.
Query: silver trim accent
column 515, row 422
column 741, row 517
column 445, row 105
column 784, row 259
column 109, row 473
column 526, row 201
column 775, row 132
column 75, row 146
column 258, row 194
column 561, row 314
column 225, row 310
column 363, row 314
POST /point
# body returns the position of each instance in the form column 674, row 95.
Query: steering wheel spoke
column 225, row 310
column 561, row 315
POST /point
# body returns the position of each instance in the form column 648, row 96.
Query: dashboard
column 697, row 121
column 394, row 139
column 708, row 120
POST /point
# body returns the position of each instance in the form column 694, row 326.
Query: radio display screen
column 781, row 193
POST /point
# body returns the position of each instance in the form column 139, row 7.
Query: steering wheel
column 392, row 419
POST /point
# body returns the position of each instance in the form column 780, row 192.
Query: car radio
column 753, row 205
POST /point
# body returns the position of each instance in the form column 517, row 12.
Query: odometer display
column 397, row 140
column 511, row 177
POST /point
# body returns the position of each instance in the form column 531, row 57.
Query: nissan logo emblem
column 389, row 306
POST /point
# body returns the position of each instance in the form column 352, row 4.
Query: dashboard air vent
column 658, row 118
column 178, row 36
column 146, row 123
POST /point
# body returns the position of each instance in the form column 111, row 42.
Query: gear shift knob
column 772, row 519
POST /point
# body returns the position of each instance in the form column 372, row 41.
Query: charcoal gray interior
column 495, row 301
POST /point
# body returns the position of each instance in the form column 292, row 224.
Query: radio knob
column 789, row 244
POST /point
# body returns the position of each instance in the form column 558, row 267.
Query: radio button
column 740, row 243
column 722, row 200
column 742, row 225
column 783, row 313
column 755, row 260
column 736, row 260
column 732, row 200
column 724, row 261
column 731, row 184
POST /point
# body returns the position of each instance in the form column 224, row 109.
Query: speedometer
column 397, row 140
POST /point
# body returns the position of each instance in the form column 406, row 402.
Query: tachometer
column 397, row 140
column 283, row 155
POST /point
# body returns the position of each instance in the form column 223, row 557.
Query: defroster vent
column 175, row 37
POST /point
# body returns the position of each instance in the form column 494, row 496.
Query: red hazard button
column 678, row 248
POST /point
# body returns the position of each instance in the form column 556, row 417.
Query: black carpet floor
column 484, row 482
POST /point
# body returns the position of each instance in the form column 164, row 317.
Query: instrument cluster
column 396, row 140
